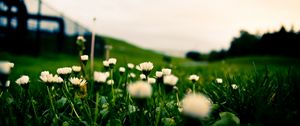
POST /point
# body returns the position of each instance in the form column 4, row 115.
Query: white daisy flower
column 234, row 86
column 5, row 67
column 122, row 69
column 45, row 73
column 132, row 75
column 46, row 77
column 194, row 78
column 24, row 79
column 101, row 77
column 57, row 79
column 81, row 38
column 110, row 82
column 84, row 57
column 196, row 105
column 145, row 66
column 130, row 65
column 6, row 84
column 166, row 71
column 170, row 80
column 112, row 61
column 76, row 68
column 151, row 80
column 105, row 63
column 175, row 88
column 143, row 76
column 140, row 89
column 158, row 74
column 138, row 68
column 64, row 70
column 77, row 82
column 219, row 80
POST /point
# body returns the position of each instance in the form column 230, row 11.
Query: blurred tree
column 217, row 55
column 282, row 42
column 245, row 44
column 194, row 55
column 167, row 59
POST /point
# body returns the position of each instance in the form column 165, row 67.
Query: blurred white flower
column 5, row 67
column 130, row 65
column 24, row 79
column 6, row 84
column 158, row 74
column 196, row 105
column 234, row 86
column 180, row 109
column 84, row 57
column 175, row 88
column 105, row 63
column 46, row 77
column 11, row 65
column 219, row 80
column 151, row 80
column 112, row 61
column 81, row 38
column 140, row 89
column 142, row 76
column 77, row 82
column 101, row 77
column 108, row 47
column 188, row 91
column 166, row 71
column 138, row 68
column 76, row 68
column 110, row 82
column 194, row 78
column 122, row 69
column 145, row 66
column 64, row 70
column 170, row 80
column 132, row 75
column 45, row 73
column 57, row 79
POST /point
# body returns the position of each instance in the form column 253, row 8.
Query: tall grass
column 266, row 95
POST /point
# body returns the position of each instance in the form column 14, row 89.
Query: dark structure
column 16, row 31
column 23, row 31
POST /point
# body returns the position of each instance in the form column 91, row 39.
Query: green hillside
column 126, row 52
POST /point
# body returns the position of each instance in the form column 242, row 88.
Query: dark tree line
column 279, row 43
column 282, row 43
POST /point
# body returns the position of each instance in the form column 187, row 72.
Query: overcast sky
column 181, row 25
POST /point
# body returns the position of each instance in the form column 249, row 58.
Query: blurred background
column 33, row 27
column 199, row 30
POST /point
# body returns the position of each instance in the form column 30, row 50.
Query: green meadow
column 267, row 91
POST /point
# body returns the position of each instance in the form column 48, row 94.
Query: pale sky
column 181, row 25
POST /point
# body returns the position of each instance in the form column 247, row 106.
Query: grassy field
column 267, row 93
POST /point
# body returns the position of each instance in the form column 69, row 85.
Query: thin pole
column 93, row 47
column 38, row 26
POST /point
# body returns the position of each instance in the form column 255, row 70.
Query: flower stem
column 160, row 105
column 1, row 94
column 112, row 88
column 194, row 88
column 177, row 98
column 33, row 107
column 51, row 102
column 72, row 105
column 96, row 108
